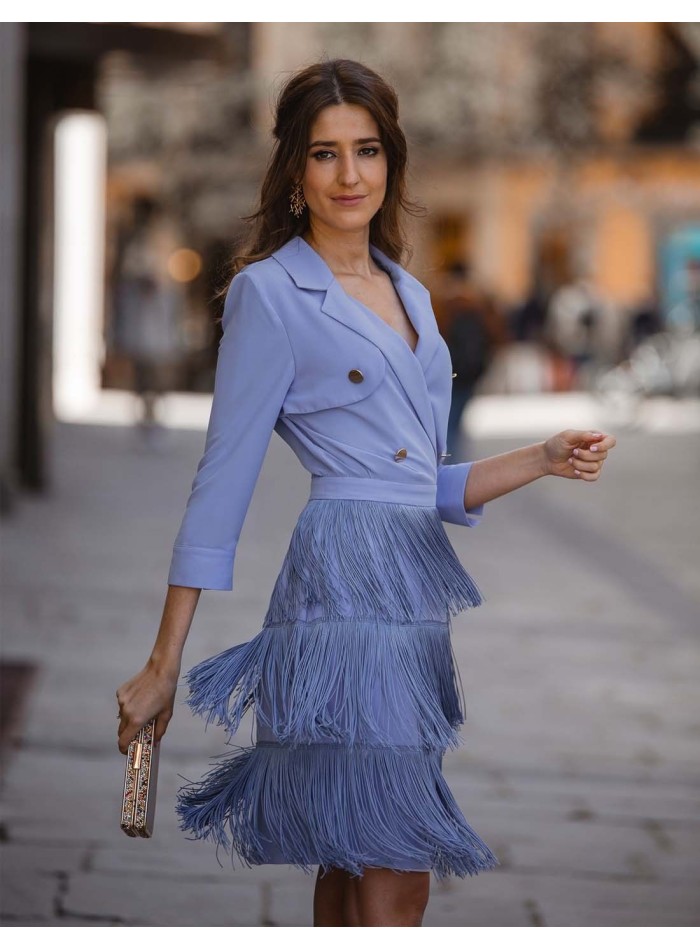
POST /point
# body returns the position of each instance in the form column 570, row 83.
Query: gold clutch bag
column 140, row 778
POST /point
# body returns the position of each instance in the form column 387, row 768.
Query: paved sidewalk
column 581, row 759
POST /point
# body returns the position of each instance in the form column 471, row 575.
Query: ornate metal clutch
column 141, row 775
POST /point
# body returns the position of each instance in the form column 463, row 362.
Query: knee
column 388, row 898
column 412, row 900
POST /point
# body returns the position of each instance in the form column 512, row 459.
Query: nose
column 347, row 174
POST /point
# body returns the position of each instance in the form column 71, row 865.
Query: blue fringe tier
column 335, row 806
column 378, row 559
column 356, row 695
column 349, row 681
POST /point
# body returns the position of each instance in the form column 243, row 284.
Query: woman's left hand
column 577, row 453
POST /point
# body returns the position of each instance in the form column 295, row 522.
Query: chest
column 379, row 296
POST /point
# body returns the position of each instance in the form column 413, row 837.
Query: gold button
column 400, row 455
column 355, row 376
column 453, row 375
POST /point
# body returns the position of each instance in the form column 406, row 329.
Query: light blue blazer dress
column 352, row 677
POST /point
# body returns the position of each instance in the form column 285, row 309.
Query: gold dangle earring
column 297, row 202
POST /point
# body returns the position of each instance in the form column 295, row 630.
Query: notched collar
column 309, row 271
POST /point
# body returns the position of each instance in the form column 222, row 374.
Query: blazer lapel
column 310, row 272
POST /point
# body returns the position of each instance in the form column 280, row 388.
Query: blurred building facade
column 48, row 70
column 544, row 153
column 547, row 150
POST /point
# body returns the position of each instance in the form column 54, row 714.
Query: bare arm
column 497, row 475
column 152, row 691
column 178, row 613
column 574, row 453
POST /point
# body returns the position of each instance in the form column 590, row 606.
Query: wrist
column 164, row 665
column 541, row 458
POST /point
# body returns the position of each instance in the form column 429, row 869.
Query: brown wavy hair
column 326, row 83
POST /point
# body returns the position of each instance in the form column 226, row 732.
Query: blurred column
column 79, row 250
column 12, row 56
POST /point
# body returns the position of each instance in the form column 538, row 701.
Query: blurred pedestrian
column 645, row 320
column 466, row 315
column 574, row 324
column 148, row 306
column 528, row 319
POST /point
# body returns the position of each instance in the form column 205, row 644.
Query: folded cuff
column 206, row 568
column 451, row 487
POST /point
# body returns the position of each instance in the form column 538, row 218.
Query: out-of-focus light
column 79, row 239
column 184, row 265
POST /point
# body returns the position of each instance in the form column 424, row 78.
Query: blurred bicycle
column 664, row 364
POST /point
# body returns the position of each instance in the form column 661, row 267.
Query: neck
column 347, row 255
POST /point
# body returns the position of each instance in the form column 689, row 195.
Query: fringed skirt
column 356, row 697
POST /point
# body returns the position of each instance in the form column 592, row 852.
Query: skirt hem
column 334, row 806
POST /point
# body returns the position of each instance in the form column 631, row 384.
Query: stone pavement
column 580, row 761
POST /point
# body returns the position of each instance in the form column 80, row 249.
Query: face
column 345, row 158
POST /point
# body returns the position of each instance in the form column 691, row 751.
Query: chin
column 348, row 219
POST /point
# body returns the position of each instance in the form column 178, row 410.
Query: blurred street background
column 562, row 250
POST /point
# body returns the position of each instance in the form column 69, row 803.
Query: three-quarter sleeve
column 451, row 487
column 254, row 370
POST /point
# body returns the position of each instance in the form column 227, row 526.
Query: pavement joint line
column 656, row 831
column 574, row 874
column 526, row 773
column 534, row 913
column 266, row 905
column 28, row 918
column 61, row 912
column 620, row 820
column 92, row 752
column 52, row 842
column 164, row 874
column 99, row 919
column 61, row 891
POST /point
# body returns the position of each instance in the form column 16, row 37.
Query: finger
column 584, row 466
column 589, row 435
column 127, row 732
column 161, row 725
column 602, row 445
column 577, row 436
column 589, row 455
column 586, row 476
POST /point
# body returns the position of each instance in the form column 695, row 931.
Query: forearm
column 178, row 612
column 497, row 475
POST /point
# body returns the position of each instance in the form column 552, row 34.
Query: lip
column 349, row 199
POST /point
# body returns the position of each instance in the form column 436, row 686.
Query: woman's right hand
column 149, row 694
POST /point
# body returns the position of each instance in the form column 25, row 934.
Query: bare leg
column 334, row 899
column 351, row 906
column 387, row 898
column 380, row 898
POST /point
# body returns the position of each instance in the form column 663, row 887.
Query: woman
column 331, row 343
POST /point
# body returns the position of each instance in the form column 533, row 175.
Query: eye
column 367, row 148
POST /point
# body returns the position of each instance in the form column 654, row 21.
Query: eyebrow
column 356, row 142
